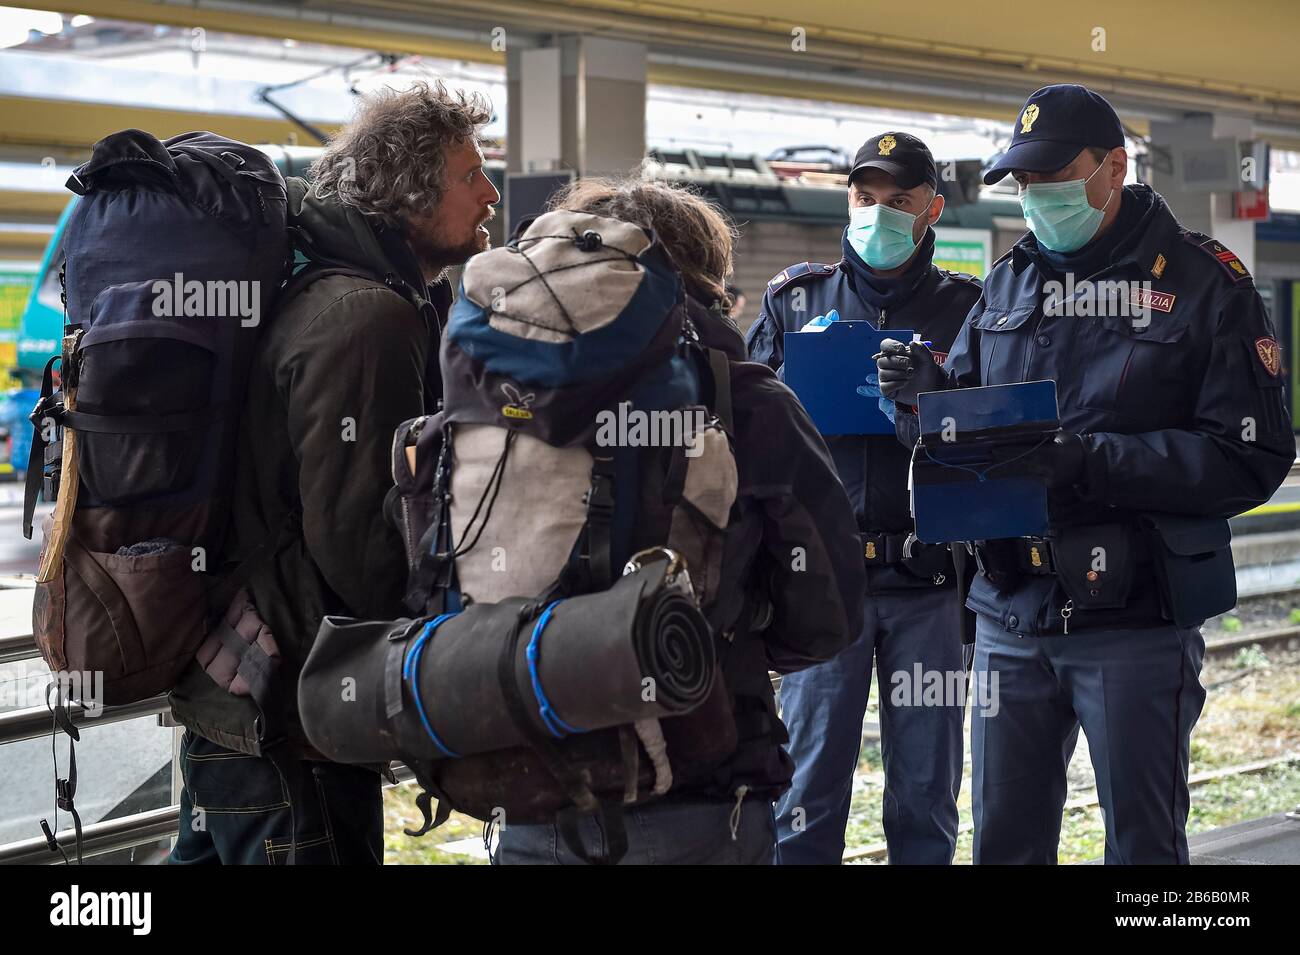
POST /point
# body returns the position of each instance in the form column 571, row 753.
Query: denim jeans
column 667, row 833
column 238, row 809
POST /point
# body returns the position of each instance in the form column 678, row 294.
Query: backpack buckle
column 600, row 496
column 676, row 574
column 48, row 406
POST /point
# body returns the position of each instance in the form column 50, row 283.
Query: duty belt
column 1035, row 556
column 1032, row 556
column 882, row 548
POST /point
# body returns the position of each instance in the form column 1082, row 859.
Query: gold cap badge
column 887, row 144
column 1027, row 120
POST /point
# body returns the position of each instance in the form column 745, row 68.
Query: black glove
column 1058, row 462
column 906, row 370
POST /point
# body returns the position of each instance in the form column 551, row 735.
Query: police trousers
column 1136, row 694
column 915, row 638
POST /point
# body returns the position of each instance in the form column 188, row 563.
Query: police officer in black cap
column 1169, row 387
column 914, row 611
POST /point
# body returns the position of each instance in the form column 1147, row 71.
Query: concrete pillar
column 534, row 112
column 577, row 103
column 603, row 89
column 1192, row 153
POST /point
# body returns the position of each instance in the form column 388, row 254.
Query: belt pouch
column 1094, row 564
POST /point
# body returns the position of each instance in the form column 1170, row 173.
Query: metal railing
column 21, row 646
column 34, row 722
column 115, row 835
column 98, row 838
column 109, row 835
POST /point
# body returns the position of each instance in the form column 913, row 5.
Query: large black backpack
column 172, row 259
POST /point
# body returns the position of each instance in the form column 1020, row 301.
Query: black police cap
column 1053, row 126
column 900, row 155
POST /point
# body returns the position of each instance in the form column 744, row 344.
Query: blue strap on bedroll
column 828, row 372
column 967, row 436
column 554, row 724
column 410, row 674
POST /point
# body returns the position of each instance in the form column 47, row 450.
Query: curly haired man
column 351, row 351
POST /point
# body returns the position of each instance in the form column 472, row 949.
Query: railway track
column 1284, row 638
column 1260, row 596
column 1220, row 643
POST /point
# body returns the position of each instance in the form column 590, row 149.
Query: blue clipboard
column 828, row 371
column 955, row 494
column 992, row 411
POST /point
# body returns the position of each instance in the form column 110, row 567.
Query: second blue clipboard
column 828, row 371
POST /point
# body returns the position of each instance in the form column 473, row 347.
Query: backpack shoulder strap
column 720, row 366
column 37, row 482
column 596, row 558
column 298, row 283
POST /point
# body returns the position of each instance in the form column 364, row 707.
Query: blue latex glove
column 872, row 390
column 821, row 321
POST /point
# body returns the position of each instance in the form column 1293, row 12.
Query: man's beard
column 436, row 257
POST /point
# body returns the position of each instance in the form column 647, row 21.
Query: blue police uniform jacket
column 931, row 301
column 1182, row 410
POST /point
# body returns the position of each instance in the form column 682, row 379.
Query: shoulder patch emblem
column 1270, row 355
column 802, row 270
column 1226, row 258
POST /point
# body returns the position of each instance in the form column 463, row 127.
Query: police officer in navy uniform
column 914, row 610
column 1172, row 420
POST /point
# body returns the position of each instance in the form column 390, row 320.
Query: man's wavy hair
column 390, row 161
column 698, row 237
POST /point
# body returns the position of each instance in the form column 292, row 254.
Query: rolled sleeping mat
column 518, row 781
column 430, row 689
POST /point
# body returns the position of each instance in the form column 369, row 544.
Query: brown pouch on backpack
column 135, row 615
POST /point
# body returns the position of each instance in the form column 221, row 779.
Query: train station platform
column 1272, row 840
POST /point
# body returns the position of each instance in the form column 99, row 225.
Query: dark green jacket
column 341, row 364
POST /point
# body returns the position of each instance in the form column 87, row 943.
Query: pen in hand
column 880, row 354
